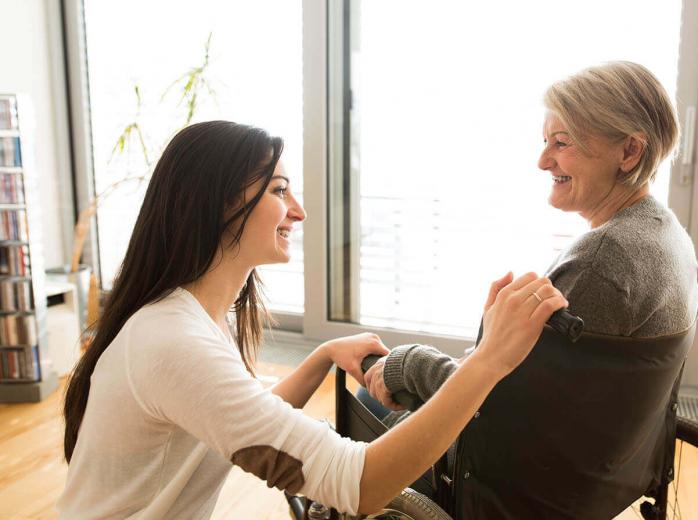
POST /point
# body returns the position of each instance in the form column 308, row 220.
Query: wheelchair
column 592, row 423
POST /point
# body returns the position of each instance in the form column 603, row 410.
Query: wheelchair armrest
column 687, row 430
column 687, row 419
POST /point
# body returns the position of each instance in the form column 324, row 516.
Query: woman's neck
column 219, row 288
column 617, row 200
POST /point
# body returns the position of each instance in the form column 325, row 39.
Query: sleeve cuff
column 393, row 369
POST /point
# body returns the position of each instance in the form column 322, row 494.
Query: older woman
column 606, row 131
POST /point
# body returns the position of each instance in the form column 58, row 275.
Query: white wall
column 31, row 63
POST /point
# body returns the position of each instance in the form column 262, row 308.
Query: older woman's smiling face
column 582, row 182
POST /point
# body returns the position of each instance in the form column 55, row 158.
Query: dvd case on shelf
column 15, row 295
column 11, row 188
column 19, row 364
column 8, row 113
column 17, row 330
column 13, row 225
column 10, row 154
column 14, row 260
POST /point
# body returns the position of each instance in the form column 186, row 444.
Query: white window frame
column 683, row 190
column 323, row 108
column 79, row 95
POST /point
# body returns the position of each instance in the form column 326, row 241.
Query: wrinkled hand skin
column 375, row 384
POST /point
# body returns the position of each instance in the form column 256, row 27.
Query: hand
column 514, row 318
column 375, row 384
column 348, row 352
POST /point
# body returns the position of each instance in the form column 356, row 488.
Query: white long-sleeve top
column 171, row 407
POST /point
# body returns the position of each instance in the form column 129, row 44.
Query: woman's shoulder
column 641, row 243
column 647, row 232
column 601, row 250
column 171, row 309
column 641, row 262
column 176, row 319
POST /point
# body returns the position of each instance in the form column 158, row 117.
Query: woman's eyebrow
column 559, row 132
column 288, row 181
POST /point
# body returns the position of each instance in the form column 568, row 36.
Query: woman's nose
column 545, row 162
column 296, row 211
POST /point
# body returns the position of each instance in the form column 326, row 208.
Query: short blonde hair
column 613, row 101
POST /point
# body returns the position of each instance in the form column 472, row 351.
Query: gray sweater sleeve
column 419, row 369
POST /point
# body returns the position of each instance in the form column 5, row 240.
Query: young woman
column 163, row 403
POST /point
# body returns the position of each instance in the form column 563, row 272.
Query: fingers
column 373, row 344
column 497, row 286
column 368, row 376
column 548, row 300
column 516, row 286
column 523, row 281
column 547, row 307
column 381, row 394
column 532, row 292
column 374, row 387
column 355, row 371
column 379, row 348
column 350, row 351
column 375, row 384
column 542, row 299
column 543, row 292
column 523, row 287
column 534, row 285
column 537, row 291
column 392, row 405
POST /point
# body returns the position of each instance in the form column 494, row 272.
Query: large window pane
column 255, row 71
column 446, row 133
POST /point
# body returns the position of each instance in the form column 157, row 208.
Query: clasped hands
column 348, row 353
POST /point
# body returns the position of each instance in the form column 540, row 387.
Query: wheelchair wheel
column 687, row 437
column 410, row 505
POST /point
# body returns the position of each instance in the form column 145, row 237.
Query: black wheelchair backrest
column 578, row 430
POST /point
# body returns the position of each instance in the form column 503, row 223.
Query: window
column 255, row 72
column 445, row 131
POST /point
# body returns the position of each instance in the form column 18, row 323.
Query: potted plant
column 194, row 85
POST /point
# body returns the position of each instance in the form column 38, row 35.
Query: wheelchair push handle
column 567, row 324
column 403, row 397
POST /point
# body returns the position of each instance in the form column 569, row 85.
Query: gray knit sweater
column 633, row 276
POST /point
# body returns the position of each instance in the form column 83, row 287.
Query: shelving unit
column 26, row 372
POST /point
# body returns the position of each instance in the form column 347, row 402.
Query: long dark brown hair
column 194, row 197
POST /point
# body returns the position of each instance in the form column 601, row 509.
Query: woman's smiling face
column 582, row 181
column 266, row 237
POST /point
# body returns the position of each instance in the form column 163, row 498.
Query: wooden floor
column 32, row 471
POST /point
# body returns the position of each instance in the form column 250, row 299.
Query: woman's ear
column 633, row 150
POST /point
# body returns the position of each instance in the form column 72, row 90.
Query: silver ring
column 534, row 293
